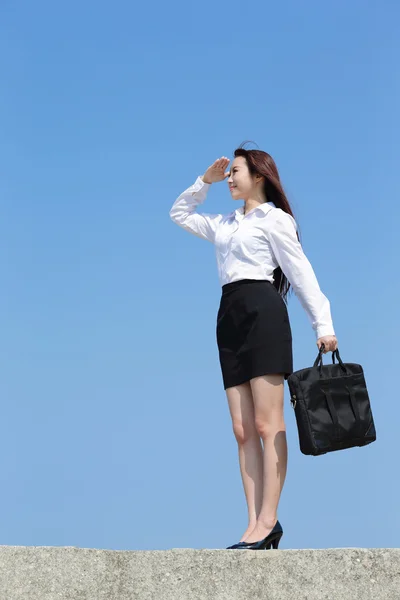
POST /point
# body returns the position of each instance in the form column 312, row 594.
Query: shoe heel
column 274, row 543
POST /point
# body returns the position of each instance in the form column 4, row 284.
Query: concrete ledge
column 70, row 573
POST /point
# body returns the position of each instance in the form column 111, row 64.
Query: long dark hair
column 262, row 163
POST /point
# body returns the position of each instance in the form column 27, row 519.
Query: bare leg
column 268, row 393
column 241, row 407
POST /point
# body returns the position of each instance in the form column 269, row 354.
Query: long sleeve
column 281, row 233
column 183, row 212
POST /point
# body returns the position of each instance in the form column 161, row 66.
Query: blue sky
column 115, row 429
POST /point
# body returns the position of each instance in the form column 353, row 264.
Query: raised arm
column 184, row 210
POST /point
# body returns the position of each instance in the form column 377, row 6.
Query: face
column 241, row 183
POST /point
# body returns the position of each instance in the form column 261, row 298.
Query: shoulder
column 279, row 219
column 227, row 217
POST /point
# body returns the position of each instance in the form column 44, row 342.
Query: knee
column 266, row 429
column 244, row 431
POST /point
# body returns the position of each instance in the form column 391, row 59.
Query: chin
column 235, row 196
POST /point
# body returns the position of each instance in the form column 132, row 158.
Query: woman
column 259, row 257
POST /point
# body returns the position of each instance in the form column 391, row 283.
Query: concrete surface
column 70, row 573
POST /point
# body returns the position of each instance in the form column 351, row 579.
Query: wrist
column 205, row 180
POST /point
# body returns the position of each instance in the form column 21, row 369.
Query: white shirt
column 252, row 246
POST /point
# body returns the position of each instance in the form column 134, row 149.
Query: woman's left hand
column 329, row 341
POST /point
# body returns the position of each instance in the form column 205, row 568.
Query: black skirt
column 253, row 332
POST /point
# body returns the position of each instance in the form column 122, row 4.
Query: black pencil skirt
column 253, row 332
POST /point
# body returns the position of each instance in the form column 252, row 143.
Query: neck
column 253, row 202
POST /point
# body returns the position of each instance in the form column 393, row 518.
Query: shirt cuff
column 199, row 189
column 200, row 184
column 324, row 330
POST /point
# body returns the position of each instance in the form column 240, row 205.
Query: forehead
column 239, row 161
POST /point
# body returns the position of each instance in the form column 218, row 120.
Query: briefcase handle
column 319, row 362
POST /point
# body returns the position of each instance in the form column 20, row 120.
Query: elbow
column 177, row 217
column 173, row 215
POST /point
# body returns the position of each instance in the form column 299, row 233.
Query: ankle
column 267, row 521
column 252, row 519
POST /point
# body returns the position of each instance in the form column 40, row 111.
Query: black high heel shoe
column 271, row 540
column 235, row 546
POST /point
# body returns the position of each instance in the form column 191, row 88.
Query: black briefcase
column 332, row 406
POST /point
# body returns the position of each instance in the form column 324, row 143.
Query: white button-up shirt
column 252, row 246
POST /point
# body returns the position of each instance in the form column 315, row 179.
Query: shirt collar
column 265, row 207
